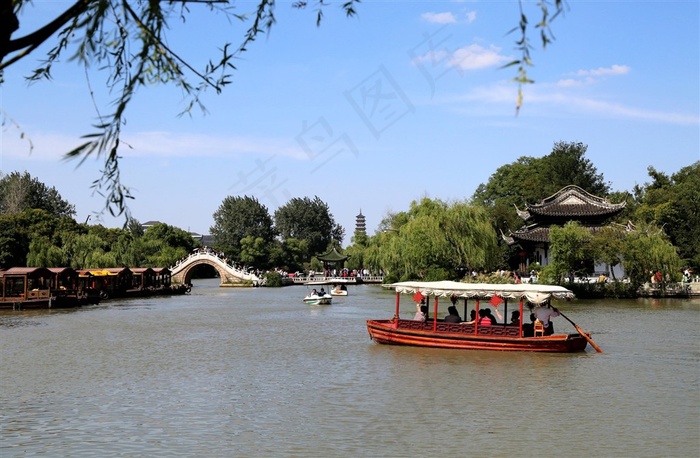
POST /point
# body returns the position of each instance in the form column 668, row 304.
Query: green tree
column 19, row 230
column 14, row 242
column 570, row 248
column 648, row 250
column 237, row 218
column 108, row 235
column 162, row 245
column 135, row 227
column 607, row 245
column 19, row 192
column 43, row 253
column 255, row 251
column 530, row 179
column 141, row 252
column 171, row 236
column 356, row 253
column 88, row 251
column 673, row 203
column 308, row 220
column 165, row 256
column 567, row 165
column 435, row 240
column 126, row 250
column 290, row 254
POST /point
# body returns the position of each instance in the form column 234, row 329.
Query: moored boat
column 438, row 333
column 26, row 287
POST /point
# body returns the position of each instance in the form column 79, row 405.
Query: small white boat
column 315, row 299
column 339, row 290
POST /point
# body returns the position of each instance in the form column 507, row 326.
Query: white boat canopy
column 534, row 293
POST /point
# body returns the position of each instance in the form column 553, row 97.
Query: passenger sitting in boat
column 529, row 328
column 322, row 293
column 421, row 312
column 490, row 316
column 484, row 320
column 543, row 313
column 453, row 316
column 472, row 318
column 515, row 318
column 314, row 292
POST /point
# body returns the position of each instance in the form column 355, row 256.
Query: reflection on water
column 255, row 372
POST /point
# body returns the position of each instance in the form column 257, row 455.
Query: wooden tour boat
column 40, row 287
column 437, row 333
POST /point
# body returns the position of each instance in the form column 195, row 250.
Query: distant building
column 360, row 225
column 570, row 203
column 148, row 224
column 206, row 240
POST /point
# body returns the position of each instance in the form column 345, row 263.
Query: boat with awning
column 437, row 333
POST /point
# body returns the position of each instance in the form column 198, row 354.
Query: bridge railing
column 320, row 278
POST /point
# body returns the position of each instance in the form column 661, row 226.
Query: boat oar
column 580, row 331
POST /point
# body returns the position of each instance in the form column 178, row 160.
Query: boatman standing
column 544, row 312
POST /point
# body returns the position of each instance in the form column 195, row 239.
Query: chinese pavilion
column 570, row 203
column 333, row 260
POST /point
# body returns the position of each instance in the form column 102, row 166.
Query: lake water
column 229, row 372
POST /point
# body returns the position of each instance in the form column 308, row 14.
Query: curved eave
column 576, row 210
column 532, row 234
column 574, row 201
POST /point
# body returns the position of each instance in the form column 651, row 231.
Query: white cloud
column 472, row 57
column 51, row 146
column 602, row 108
column 439, row 18
column 602, row 71
column 548, row 95
column 569, row 82
column 475, row 57
column 592, row 76
column 448, row 18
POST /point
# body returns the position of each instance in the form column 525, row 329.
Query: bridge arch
column 229, row 275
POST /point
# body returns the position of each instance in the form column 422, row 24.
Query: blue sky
column 370, row 113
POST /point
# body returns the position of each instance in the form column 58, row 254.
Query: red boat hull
column 461, row 336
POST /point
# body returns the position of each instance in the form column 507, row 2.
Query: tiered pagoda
column 360, row 224
column 570, row 203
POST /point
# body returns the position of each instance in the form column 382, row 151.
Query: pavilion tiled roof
column 332, row 256
column 570, row 203
column 536, row 234
column 573, row 202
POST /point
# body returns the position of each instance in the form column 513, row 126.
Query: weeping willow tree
column 647, row 250
column 434, row 240
column 570, row 246
column 43, row 253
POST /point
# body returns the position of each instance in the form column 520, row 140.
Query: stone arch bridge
column 230, row 276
